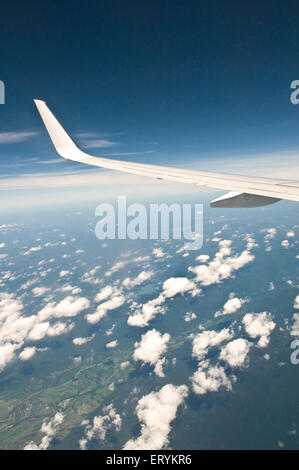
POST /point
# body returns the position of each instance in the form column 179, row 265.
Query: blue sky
column 194, row 83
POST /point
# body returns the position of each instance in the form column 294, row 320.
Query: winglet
column 61, row 140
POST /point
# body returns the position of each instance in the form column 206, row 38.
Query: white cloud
column 189, row 316
column 49, row 428
column 155, row 412
column 270, row 233
column 69, row 288
column 80, row 341
column 223, row 265
column 171, row 287
column 259, row 325
column 209, row 379
column 7, row 354
column 39, row 291
column 99, row 143
column 158, row 253
column 296, row 302
column 151, row 347
column 40, row 330
column 116, row 267
column 104, row 293
column 16, row 137
column 142, row 277
column 235, row 352
column 202, row 258
column 109, row 332
column 231, row 306
column 146, row 312
column 32, row 250
column 27, row 353
column 16, row 329
column 290, row 234
column 112, row 344
column 203, row 341
column 101, row 311
column 68, row 307
column 124, row 364
column 179, row 285
column 64, row 273
column 101, row 425
column 285, row 243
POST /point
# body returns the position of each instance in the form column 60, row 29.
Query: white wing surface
column 244, row 191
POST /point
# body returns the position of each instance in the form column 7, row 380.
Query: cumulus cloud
column 142, row 277
column 285, row 243
column 296, row 302
column 101, row 425
column 235, row 352
column 151, row 348
column 49, row 429
column 80, row 341
column 209, row 379
column 203, row 341
column 90, row 276
column 112, row 344
column 7, row 354
column 223, row 264
column 40, row 330
column 171, row 287
column 189, row 316
column 124, row 364
column 270, row 233
column 155, row 412
column 68, row 307
column 104, row 293
column 32, row 250
column 102, row 309
column 69, row 288
column 202, row 258
column 158, row 253
column 116, row 267
column 179, row 285
column 64, row 273
column 231, row 306
column 16, row 329
column 39, row 291
column 27, row 353
column 259, row 325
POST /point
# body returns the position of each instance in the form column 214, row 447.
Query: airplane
column 244, row 191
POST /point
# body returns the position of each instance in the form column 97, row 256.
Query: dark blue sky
column 184, row 80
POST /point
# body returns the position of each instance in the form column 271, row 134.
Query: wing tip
column 37, row 101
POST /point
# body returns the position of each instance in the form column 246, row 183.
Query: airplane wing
column 244, row 191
